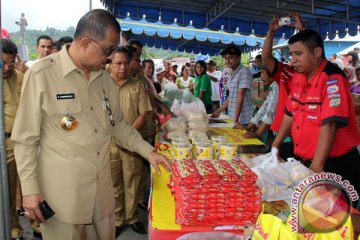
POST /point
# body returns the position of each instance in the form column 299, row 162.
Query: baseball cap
column 160, row 70
column 232, row 50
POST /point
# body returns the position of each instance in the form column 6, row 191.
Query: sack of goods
column 215, row 193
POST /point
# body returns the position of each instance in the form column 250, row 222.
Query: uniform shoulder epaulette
column 19, row 75
column 42, row 64
column 136, row 79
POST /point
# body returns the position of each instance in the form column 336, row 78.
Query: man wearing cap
column 238, row 84
column 160, row 75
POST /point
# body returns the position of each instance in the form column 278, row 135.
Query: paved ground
column 127, row 234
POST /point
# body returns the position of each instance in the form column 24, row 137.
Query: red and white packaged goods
column 215, row 192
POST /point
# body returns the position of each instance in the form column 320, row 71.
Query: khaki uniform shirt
column 150, row 129
column 12, row 90
column 134, row 100
column 70, row 168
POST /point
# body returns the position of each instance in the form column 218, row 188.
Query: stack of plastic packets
column 215, row 193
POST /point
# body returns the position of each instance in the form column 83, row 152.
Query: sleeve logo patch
column 63, row 96
column 335, row 102
column 332, row 89
column 336, row 95
column 312, row 107
column 332, row 81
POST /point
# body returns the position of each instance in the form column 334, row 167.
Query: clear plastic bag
column 193, row 133
column 276, row 180
column 172, row 135
column 195, row 116
column 197, row 125
column 175, row 125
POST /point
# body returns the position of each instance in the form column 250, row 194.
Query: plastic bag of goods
column 196, row 106
column 177, row 134
column 175, row 125
column 198, row 125
column 195, row 116
column 188, row 96
column 193, row 133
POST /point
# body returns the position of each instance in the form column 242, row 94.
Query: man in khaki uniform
column 127, row 166
column 12, row 88
column 69, row 111
column 149, row 130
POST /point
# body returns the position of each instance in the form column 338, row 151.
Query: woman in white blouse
column 185, row 81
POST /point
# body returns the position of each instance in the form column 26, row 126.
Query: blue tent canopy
column 186, row 38
column 245, row 17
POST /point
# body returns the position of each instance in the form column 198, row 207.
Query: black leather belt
column 7, row 135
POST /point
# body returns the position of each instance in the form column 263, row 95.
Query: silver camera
column 284, row 21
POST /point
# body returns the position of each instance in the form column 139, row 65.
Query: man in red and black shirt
column 319, row 112
column 282, row 74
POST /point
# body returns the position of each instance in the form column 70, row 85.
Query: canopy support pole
column 218, row 9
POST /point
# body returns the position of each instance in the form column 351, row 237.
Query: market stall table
column 162, row 224
column 162, row 207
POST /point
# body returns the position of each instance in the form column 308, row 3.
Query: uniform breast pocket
column 312, row 114
column 133, row 96
column 294, row 106
column 66, row 114
column 132, row 100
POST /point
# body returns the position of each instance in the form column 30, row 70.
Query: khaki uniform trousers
column 126, row 170
column 99, row 229
column 145, row 173
column 14, row 184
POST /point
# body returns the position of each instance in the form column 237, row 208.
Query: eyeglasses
column 10, row 65
column 107, row 51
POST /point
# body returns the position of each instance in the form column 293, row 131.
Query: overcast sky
column 40, row 14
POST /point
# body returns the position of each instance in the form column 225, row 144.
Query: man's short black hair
column 310, row 38
column 95, row 23
column 133, row 42
column 8, row 46
column 258, row 56
column 46, row 37
column 145, row 61
column 59, row 43
column 132, row 50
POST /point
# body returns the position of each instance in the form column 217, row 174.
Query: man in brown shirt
column 126, row 166
column 69, row 111
column 12, row 88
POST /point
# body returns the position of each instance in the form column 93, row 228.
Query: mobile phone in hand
column 46, row 210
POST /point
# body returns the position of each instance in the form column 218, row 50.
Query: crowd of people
column 88, row 110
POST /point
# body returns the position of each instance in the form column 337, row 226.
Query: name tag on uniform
column 63, row 96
